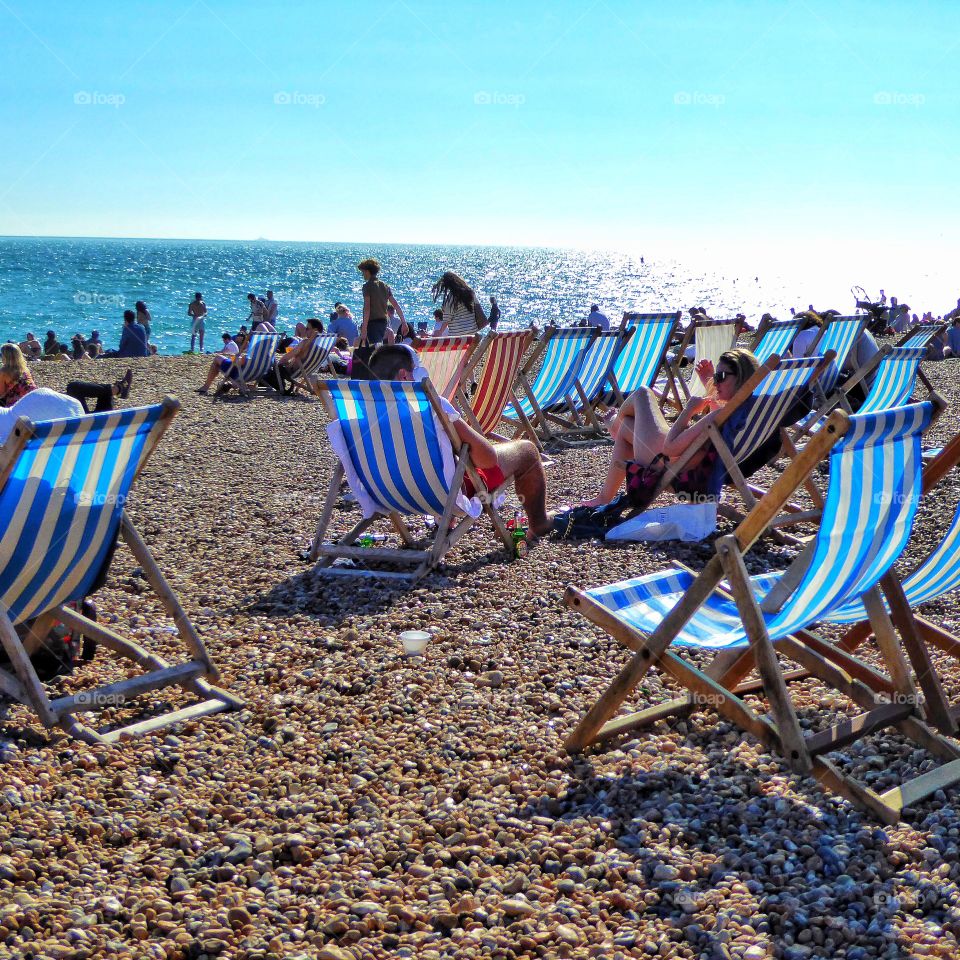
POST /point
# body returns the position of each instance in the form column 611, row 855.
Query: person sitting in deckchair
column 223, row 361
column 642, row 435
column 495, row 462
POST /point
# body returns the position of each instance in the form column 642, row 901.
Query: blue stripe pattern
column 261, row 353
column 393, row 443
column 595, row 367
column 560, row 363
column 872, row 497
column 640, row 358
column 316, row 355
column 895, row 379
column 770, row 401
column 777, row 339
column 62, row 504
column 840, row 336
column 922, row 337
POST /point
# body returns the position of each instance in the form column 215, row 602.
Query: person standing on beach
column 494, row 316
column 197, row 311
column 272, row 310
column 462, row 314
column 257, row 310
column 376, row 296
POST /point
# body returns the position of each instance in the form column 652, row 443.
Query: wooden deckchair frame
column 545, row 424
column 297, row 377
column 446, row 533
column 717, row 685
column 455, row 385
column 663, row 363
column 245, row 387
column 689, row 338
column 465, row 405
column 20, row 680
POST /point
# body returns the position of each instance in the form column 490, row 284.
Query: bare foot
column 594, row 502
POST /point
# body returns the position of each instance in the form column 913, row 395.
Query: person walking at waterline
column 376, row 296
column 197, row 311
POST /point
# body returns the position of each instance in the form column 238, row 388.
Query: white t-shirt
column 40, row 404
column 230, row 348
column 803, row 341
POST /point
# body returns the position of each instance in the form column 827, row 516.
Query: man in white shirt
column 37, row 405
column 495, row 462
column 597, row 319
column 272, row 308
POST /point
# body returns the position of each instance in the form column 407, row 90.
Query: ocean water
column 72, row 285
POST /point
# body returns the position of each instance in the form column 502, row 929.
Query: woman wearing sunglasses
column 641, row 434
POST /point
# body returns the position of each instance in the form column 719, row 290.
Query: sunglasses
column 722, row 375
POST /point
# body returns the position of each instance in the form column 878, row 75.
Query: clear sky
column 789, row 126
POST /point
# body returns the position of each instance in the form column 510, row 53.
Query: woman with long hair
column 143, row 317
column 460, row 306
column 16, row 380
column 641, row 433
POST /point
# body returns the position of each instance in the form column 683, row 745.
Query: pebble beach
column 366, row 805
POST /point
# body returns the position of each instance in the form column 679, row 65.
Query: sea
column 77, row 285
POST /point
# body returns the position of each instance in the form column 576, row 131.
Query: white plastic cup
column 414, row 642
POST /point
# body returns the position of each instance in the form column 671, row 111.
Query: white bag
column 680, row 521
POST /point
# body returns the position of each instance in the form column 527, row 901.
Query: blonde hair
column 743, row 361
column 14, row 364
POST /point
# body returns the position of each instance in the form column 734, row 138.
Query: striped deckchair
column 591, row 379
column 254, row 364
column 920, row 335
column 502, row 355
column 560, row 353
column 401, row 456
column 872, row 497
column 711, row 338
column 895, row 379
column 775, row 337
column 754, row 416
column 63, row 487
column 445, row 359
column 644, row 355
column 313, row 362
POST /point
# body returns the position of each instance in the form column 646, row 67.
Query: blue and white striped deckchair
column 755, row 414
column 895, row 379
column 591, row 379
column 63, row 487
column 560, row 354
column 313, row 362
column 401, row 456
column 921, row 335
column 775, row 338
column 872, row 497
column 644, row 355
column 257, row 361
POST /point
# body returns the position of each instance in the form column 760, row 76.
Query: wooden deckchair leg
column 936, row 705
column 527, row 426
column 441, row 542
column 402, row 529
column 327, row 511
column 23, row 668
column 168, row 597
column 808, row 484
column 893, row 658
column 37, row 633
column 855, row 636
column 939, row 637
column 788, row 726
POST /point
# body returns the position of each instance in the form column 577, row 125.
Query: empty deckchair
column 711, row 338
column 313, row 362
column 590, row 380
column 445, row 359
column 254, row 364
column 895, row 380
column 775, row 337
column 63, row 487
column 559, row 352
column 874, row 486
column 644, row 356
column 920, row 335
column 502, row 355
column 401, row 456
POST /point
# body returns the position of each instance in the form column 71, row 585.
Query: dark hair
column 371, row 265
column 198, row 296
column 342, row 343
column 333, row 316
column 387, row 361
column 453, row 291
column 251, row 296
column 226, row 335
column 129, row 316
column 438, row 314
column 51, row 334
column 316, row 324
column 140, row 305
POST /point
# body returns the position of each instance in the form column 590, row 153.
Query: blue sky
column 792, row 126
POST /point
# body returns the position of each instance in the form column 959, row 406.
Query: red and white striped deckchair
column 445, row 359
column 503, row 353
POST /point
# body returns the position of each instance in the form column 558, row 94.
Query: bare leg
column 211, row 375
column 520, row 460
column 639, row 433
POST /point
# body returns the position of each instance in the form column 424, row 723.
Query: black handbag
column 360, row 369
